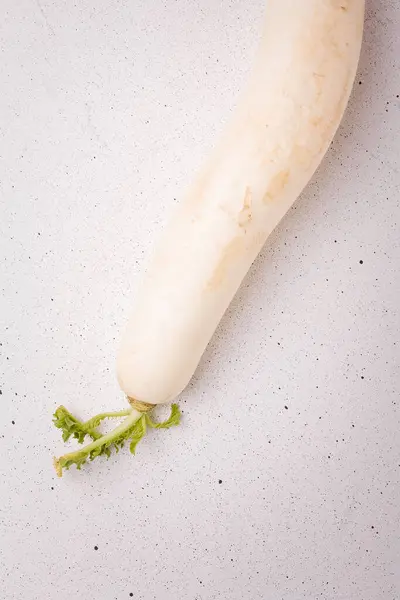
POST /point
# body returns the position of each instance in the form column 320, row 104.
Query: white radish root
column 285, row 120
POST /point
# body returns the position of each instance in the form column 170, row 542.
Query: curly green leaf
column 72, row 427
column 132, row 429
column 139, row 431
column 173, row 419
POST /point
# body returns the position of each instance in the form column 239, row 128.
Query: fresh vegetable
column 283, row 125
column 131, row 430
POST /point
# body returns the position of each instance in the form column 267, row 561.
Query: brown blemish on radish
column 277, row 184
column 245, row 213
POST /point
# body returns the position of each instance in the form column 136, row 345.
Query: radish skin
column 280, row 131
column 282, row 127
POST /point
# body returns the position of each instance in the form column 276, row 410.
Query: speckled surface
column 283, row 482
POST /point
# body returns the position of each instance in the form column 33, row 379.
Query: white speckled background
column 106, row 110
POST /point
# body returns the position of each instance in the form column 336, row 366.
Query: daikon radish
column 283, row 125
